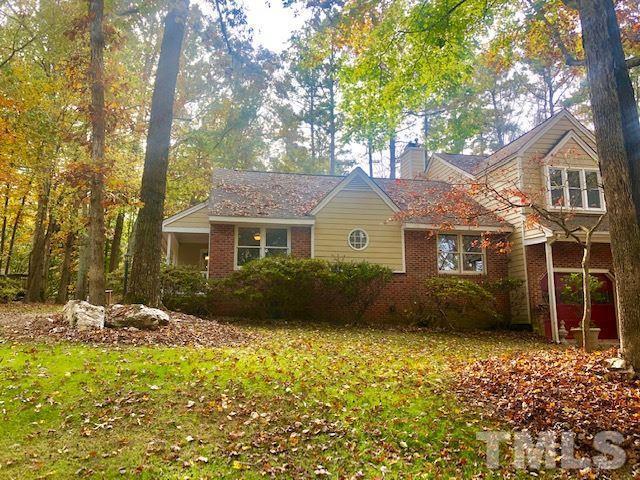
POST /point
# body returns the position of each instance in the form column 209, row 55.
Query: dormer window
column 578, row 189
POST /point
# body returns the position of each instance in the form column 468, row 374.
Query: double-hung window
column 259, row 242
column 575, row 188
column 459, row 253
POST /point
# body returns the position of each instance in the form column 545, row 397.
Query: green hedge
column 185, row 289
column 306, row 289
column 460, row 304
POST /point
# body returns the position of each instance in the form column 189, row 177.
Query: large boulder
column 136, row 316
column 82, row 315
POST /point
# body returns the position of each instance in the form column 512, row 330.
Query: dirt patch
column 183, row 330
column 557, row 390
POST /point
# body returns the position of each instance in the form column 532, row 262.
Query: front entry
column 569, row 304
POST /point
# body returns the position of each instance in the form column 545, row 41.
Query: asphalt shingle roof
column 287, row 195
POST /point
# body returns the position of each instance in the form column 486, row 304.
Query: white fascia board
column 571, row 135
column 185, row 229
column 263, row 220
column 456, row 228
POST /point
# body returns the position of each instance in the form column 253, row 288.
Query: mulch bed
column 183, row 330
column 557, row 390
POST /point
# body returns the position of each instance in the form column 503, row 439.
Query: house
column 255, row 214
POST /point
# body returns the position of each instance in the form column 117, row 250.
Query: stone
column 82, row 315
column 136, row 316
column 616, row 363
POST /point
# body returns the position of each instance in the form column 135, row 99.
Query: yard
column 292, row 402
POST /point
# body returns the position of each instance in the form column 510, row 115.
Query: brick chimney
column 412, row 161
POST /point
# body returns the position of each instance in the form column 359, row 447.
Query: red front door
column 603, row 310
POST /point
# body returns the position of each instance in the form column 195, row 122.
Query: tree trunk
column 370, row 157
column 586, row 294
column 65, row 274
column 145, row 272
column 332, row 114
column 81, row 290
column 52, row 229
column 617, row 132
column 3, row 231
column 392, row 156
column 114, row 259
column 96, row 208
column 14, row 230
column 35, row 278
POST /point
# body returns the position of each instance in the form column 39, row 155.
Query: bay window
column 259, row 242
column 575, row 188
column 460, row 253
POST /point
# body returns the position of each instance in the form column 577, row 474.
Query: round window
column 358, row 239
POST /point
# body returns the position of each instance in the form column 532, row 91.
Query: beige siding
column 571, row 155
column 197, row 219
column 503, row 179
column 439, row 170
column 358, row 206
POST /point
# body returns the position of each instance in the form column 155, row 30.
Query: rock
column 616, row 363
column 136, row 316
column 82, row 315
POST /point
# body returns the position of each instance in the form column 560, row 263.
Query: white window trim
column 583, row 186
column 263, row 240
column 349, row 239
column 461, row 253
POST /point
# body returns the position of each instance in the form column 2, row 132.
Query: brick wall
column 221, row 249
column 565, row 255
column 421, row 263
column 301, row 242
column 404, row 289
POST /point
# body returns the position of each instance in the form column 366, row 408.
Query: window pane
column 249, row 237
column 448, row 262
column 247, row 254
column 473, row 262
column 555, row 177
column 573, row 178
column 472, row 243
column 575, row 197
column 557, row 197
column 593, row 197
column 275, row 252
column 276, row 237
column 591, row 179
column 448, row 243
column 358, row 239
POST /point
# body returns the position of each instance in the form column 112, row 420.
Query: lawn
column 295, row 402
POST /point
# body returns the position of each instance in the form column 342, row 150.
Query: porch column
column 553, row 311
column 169, row 245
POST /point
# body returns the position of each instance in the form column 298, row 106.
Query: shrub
column 304, row 288
column 10, row 289
column 457, row 303
column 278, row 287
column 185, row 289
column 354, row 286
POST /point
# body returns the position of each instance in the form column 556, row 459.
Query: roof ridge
column 281, row 173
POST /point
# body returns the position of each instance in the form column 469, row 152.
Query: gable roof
column 477, row 164
column 525, row 140
column 272, row 195
column 357, row 173
column 466, row 163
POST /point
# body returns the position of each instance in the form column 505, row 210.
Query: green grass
column 299, row 402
